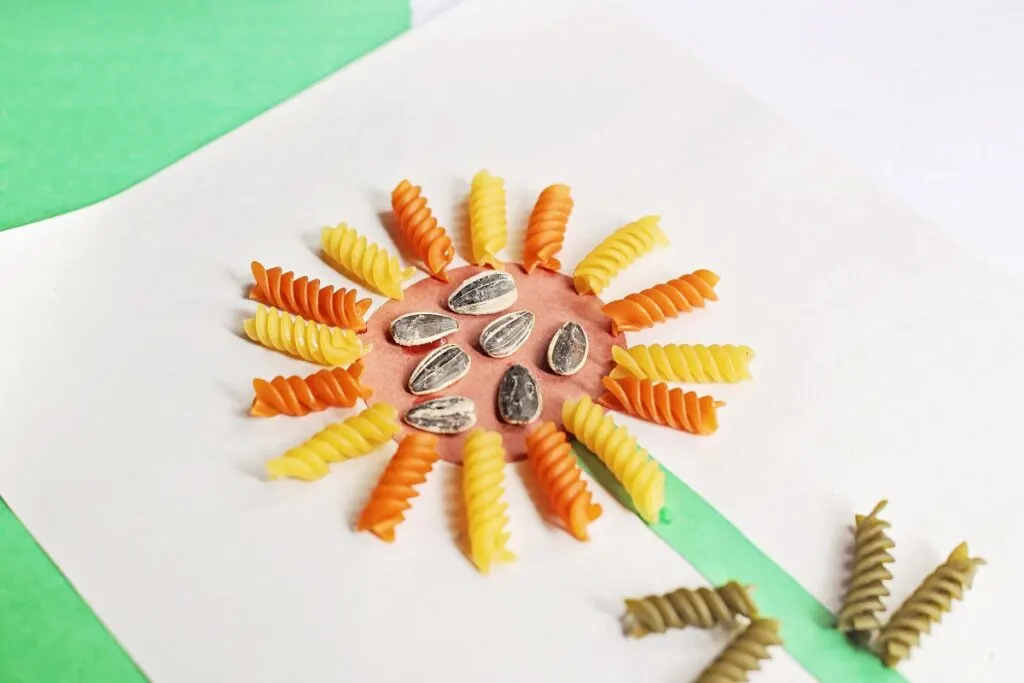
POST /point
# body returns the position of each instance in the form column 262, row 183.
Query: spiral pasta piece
column 389, row 500
column 654, row 305
column 365, row 261
column 354, row 437
column 633, row 467
column 483, row 463
column 306, row 298
column 297, row 396
column 694, row 363
column 858, row 617
column 701, row 608
column 554, row 465
column 428, row 240
column 926, row 605
column 744, row 654
column 304, row 339
column 618, row 250
column 488, row 224
column 657, row 403
column 545, row 232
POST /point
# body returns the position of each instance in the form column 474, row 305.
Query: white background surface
column 926, row 98
column 888, row 365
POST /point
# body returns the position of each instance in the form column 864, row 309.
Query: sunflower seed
column 490, row 292
column 413, row 329
column 568, row 349
column 445, row 415
column 503, row 336
column 519, row 399
column 442, row 367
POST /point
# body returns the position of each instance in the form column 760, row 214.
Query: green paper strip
column 721, row 553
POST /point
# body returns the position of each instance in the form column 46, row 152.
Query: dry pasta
column 559, row 477
column 304, row 338
column 862, row 602
column 744, row 654
column 618, row 250
column 389, row 500
column 694, row 363
column 428, row 240
column 633, row 467
column 545, row 233
column 685, row 607
column 357, row 436
column 297, row 396
column 651, row 306
column 657, row 403
column 364, row 261
column 488, row 224
column 483, row 464
column 306, row 298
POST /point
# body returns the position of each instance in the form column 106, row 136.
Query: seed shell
column 444, row 415
column 567, row 352
column 441, row 368
column 519, row 398
column 414, row 329
column 484, row 294
column 503, row 336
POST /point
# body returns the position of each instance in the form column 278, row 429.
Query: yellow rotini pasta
column 488, row 224
column 636, row 470
column 357, row 436
column 744, row 654
column 366, row 262
column 684, row 607
column 483, row 478
column 304, row 339
column 862, row 602
column 694, row 363
column 618, row 250
column 926, row 605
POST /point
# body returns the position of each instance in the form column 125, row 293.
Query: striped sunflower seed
column 442, row 367
column 445, row 415
column 503, row 336
column 519, row 399
column 414, row 329
column 483, row 294
column 567, row 352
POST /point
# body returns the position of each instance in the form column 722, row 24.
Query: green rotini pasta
column 700, row 608
column 862, row 603
column 744, row 654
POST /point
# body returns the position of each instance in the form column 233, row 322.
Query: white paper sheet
column 888, row 365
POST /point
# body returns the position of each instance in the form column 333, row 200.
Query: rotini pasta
column 926, row 605
column 559, row 477
column 701, row 608
column 744, row 654
column 657, row 403
column 683, row 362
column 389, row 500
column 483, row 463
column 646, row 308
column 305, row 297
column 639, row 474
column 862, row 602
column 546, row 230
column 297, row 396
column 304, row 339
column 357, row 436
column 427, row 239
column 488, row 224
column 365, row 261
column 618, row 250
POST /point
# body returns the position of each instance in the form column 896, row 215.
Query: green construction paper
column 96, row 95
column 47, row 632
column 721, row 553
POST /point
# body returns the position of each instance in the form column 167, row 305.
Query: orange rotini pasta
column 297, row 396
column 306, row 298
column 553, row 463
column 389, row 500
column 427, row 239
column 645, row 308
column 657, row 403
column 546, row 230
